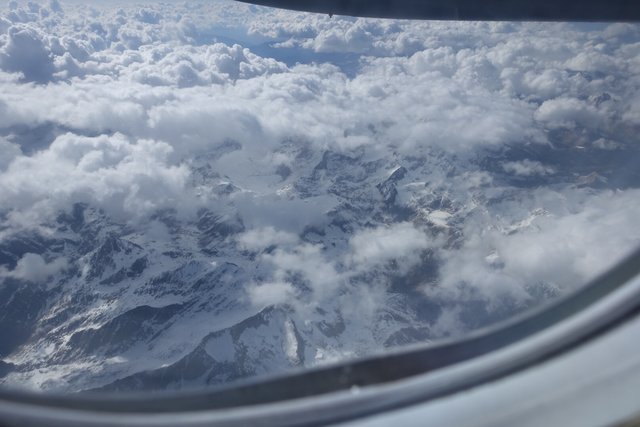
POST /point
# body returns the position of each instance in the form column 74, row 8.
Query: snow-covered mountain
column 178, row 302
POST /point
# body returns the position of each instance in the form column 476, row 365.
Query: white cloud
column 569, row 112
column 527, row 168
column 402, row 242
column 593, row 61
column 318, row 272
column 606, row 144
column 55, row 6
column 188, row 66
column 563, row 249
column 126, row 178
column 262, row 238
column 8, row 152
column 272, row 293
column 26, row 52
column 148, row 16
column 4, row 25
column 33, row 268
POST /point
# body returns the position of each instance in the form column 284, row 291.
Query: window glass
column 193, row 193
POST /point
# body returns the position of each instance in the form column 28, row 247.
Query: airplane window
column 196, row 193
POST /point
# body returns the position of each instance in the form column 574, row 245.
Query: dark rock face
column 214, row 229
column 408, row 336
column 224, row 356
column 5, row 368
column 105, row 257
column 12, row 249
column 20, row 308
column 131, row 328
column 388, row 189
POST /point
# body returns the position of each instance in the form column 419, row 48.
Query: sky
column 115, row 104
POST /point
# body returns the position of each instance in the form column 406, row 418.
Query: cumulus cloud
column 8, row 152
column 271, row 293
column 26, row 52
column 308, row 260
column 304, row 276
column 569, row 112
column 201, row 65
column 527, row 168
column 33, row 268
column 261, row 238
column 148, row 16
column 54, row 6
column 401, row 242
column 544, row 249
column 126, row 178
column 606, row 144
